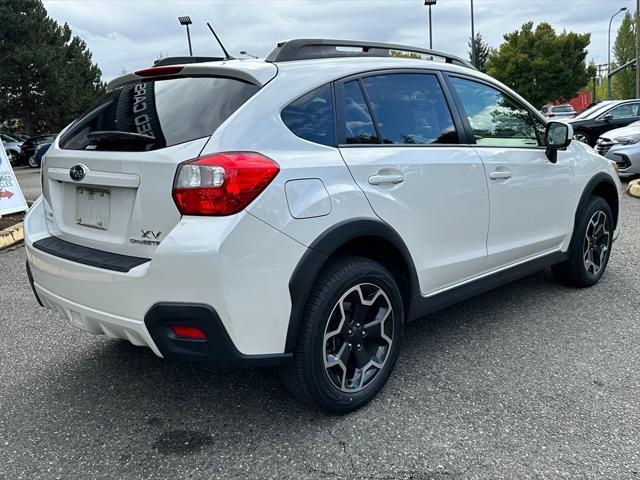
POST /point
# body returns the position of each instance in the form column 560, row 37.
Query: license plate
column 93, row 207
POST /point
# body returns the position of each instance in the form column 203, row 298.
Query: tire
column 33, row 163
column 589, row 258
column 314, row 376
column 582, row 137
column 13, row 158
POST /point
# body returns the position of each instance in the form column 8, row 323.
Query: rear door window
column 311, row 116
column 154, row 114
column 410, row 108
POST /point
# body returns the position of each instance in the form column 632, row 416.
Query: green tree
column 47, row 76
column 482, row 51
column 541, row 65
column 623, row 83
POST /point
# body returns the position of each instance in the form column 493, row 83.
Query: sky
column 125, row 35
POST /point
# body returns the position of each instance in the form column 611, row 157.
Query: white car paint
column 457, row 222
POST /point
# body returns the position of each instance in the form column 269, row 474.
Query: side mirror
column 608, row 117
column 558, row 136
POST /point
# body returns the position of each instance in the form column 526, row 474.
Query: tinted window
column 311, row 116
column 627, row 110
column 410, row 108
column 563, row 109
column 497, row 120
column 171, row 111
column 359, row 126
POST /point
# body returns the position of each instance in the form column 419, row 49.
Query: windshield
column 169, row 111
column 592, row 110
column 562, row 109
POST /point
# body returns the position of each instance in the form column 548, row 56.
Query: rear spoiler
column 257, row 73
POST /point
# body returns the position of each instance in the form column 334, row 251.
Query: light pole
column 473, row 39
column 186, row 21
column 609, row 53
column 430, row 3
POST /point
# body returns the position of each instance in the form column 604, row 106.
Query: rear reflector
column 160, row 71
column 223, row 183
column 192, row 333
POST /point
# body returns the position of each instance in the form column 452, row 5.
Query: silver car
column 622, row 145
column 11, row 146
column 558, row 111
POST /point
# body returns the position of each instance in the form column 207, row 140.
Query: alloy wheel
column 358, row 337
column 581, row 137
column 596, row 243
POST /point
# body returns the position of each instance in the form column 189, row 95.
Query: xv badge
column 150, row 234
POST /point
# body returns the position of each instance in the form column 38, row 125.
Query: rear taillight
column 223, row 183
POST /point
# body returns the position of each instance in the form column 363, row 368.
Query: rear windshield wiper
column 118, row 135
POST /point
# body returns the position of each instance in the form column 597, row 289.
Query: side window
column 410, row 108
column 497, row 120
column 358, row 123
column 311, row 116
column 628, row 110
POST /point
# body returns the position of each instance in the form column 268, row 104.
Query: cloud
column 129, row 34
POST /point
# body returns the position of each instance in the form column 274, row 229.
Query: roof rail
column 307, row 49
column 184, row 60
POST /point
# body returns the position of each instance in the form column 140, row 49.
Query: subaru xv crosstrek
column 297, row 212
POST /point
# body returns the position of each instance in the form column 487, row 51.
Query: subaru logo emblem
column 77, row 172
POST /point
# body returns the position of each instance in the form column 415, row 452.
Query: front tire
column 582, row 137
column 349, row 337
column 33, row 163
column 589, row 258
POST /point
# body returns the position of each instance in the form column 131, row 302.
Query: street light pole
column 186, row 21
column 430, row 3
column 473, row 38
column 609, row 53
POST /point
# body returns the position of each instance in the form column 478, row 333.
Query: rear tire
column 589, row 258
column 349, row 337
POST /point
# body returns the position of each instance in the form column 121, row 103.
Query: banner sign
column 11, row 198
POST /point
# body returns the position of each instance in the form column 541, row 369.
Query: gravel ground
column 532, row 380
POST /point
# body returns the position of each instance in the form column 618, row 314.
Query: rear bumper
column 230, row 274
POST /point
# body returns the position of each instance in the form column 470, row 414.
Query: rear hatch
column 108, row 178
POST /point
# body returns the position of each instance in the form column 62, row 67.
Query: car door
column 531, row 198
column 400, row 136
column 617, row 117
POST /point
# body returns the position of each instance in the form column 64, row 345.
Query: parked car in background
column 28, row 148
column 11, row 146
column 610, row 116
column 622, row 145
column 21, row 137
column 36, row 160
column 558, row 111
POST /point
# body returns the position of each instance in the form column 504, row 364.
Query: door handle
column 380, row 179
column 499, row 175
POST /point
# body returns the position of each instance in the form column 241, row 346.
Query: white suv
column 296, row 212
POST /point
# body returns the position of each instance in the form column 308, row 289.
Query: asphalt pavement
column 532, row 380
column 29, row 181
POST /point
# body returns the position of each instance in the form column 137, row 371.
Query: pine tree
column 541, row 65
column 624, row 82
column 47, row 76
column 481, row 54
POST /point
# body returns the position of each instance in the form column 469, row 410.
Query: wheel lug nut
column 350, row 332
column 357, row 325
column 349, row 345
column 358, row 346
column 364, row 334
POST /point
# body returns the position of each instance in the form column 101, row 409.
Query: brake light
column 223, row 183
column 160, row 71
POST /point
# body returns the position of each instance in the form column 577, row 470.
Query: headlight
column 628, row 140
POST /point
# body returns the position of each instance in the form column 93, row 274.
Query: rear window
column 154, row 114
column 563, row 109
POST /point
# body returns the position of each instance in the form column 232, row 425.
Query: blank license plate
column 93, row 207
